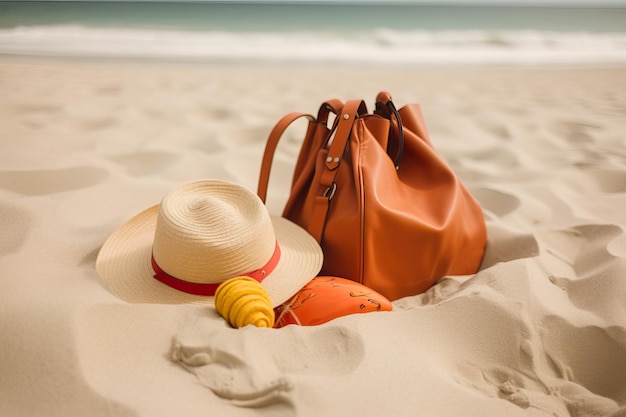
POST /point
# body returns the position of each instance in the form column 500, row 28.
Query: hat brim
column 124, row 263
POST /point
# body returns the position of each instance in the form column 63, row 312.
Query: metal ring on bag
column 330, row 191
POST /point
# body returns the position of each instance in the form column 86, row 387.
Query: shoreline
column 315, row 65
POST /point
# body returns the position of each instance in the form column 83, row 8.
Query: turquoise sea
column 382, row 33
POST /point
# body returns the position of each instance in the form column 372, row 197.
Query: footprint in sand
column 14, row 223
column 582, row 247
column 554, row 397
column 582, row 403
column 95, row 121
column 511, row 386
column 576, row 132
column 588, row 357
column 237, row 138
column 253, row 367
column 598, row 273
column 495, row 127
column 499, row 157
column 497, row 161
column 209, row 143
column 51, row 181
column 505, row 245
column 596, row 182
column 108, row 90
column 212, row 112
column 494, row 201
column 37, row 108
column 37, row 115
column 145, row 163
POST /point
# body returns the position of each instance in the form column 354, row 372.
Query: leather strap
column 270, row 149
column 386, row 108
column 351, row 110
column 331, row 106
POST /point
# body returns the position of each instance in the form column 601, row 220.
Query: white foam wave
column 383, row 46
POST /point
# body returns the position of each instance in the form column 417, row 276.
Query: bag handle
column 270, row 149
column 330, row 106
column 350, row 112
column 386, row 108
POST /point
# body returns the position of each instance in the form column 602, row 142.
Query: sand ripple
column 51, row 181
column 15, row 223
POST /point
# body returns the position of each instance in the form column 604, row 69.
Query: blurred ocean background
column 381, row 33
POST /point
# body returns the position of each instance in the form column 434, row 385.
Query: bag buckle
column 330, row 191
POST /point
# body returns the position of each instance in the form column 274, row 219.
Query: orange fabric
column 326, row 298
column 396, row 231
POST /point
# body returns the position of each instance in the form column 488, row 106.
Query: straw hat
column 202, row 234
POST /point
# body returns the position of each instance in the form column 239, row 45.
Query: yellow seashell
column 243, row 301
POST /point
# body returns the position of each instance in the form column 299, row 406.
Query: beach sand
column 540, row 330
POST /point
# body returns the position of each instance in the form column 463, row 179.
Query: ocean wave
column 382, row 46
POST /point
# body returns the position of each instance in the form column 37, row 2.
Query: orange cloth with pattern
column 325, row 298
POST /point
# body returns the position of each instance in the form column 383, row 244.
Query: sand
column 540, row 330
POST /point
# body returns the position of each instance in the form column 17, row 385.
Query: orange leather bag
column 387, row 210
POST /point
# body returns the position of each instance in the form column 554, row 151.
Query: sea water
column 381, row 33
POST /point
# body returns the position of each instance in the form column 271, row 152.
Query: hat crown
column 210, row 231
